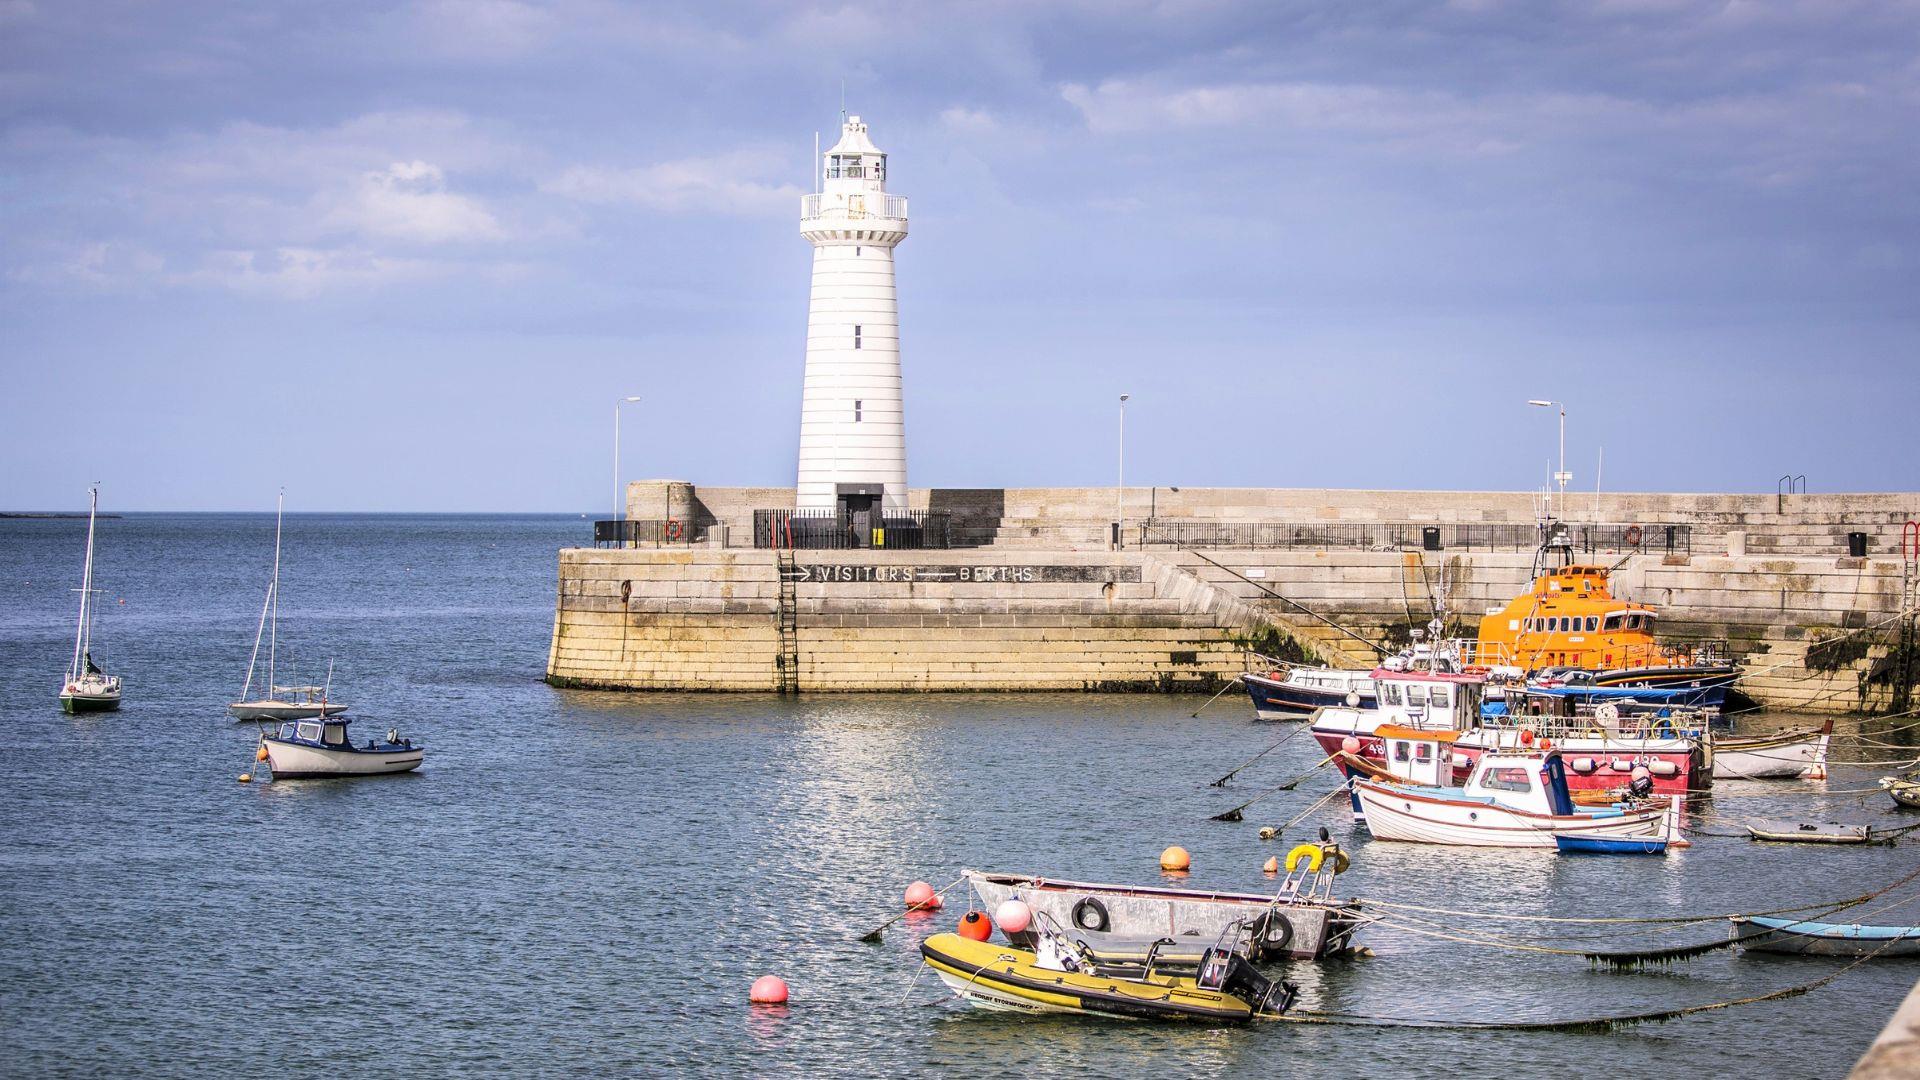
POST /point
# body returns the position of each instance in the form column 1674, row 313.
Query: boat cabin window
column 1613, row 622
column 1506, row 780
column 1439, row 697
column 310, row 732
column 1416, row 695
column 1423, row 752
column 1390, row 694
column 1633, row 621
column 1593, row 623
column 1399, row 750
column 336, row 734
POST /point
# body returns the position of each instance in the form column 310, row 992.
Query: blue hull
column 1272, row 700
column 1596, row 845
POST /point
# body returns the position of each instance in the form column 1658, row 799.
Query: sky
column 407, row 256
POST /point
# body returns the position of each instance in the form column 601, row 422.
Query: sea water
column 587, row 883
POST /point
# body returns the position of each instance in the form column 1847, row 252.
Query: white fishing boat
column 1787, row 755
column 88, row 688
column 1510, row 800
column 321, row 748
column 280, row 702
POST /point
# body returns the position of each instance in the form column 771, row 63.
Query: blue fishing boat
column 1825, row 939
column 1293, row 693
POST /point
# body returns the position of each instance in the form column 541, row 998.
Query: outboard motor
column 1641, row 784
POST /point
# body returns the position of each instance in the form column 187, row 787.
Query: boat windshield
column 310, row 732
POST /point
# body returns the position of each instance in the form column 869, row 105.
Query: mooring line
column 1309, row 1016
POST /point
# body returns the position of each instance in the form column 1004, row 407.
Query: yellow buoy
column 1175, row 858
column 246, row 778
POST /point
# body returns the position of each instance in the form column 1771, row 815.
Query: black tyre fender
column 1091, row 914
column 1279, row 931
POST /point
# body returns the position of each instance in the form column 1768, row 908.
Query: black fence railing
column 670, row 532
column 1408, row 536
column 825, row 529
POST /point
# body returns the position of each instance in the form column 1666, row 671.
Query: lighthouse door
column 859, row 506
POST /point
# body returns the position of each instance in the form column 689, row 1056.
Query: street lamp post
column 1120, row 489
column 619, row 502
column 1561, row 477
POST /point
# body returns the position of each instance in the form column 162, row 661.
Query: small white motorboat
column 1512, row 799
column 87, row 687
column 321, row 748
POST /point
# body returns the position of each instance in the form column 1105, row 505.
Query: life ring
column 1633, row 536
column 674, row 530
column 1091, row 914
column 1308, row 853
column 1278, row 933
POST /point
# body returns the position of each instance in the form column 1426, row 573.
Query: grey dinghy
column 1301, row 921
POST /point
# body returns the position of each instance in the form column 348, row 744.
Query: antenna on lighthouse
column 816, row 163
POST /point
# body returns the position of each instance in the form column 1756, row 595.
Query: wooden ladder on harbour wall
column 787, row 663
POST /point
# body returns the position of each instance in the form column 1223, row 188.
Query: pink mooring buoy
column 921, row 897
column 768, row 990
column 1350, row 745
column 1013, row 915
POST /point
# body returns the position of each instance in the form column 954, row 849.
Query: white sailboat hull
column 296, row 761
column 91, row 695
column 283, row 710
column 1394, row 814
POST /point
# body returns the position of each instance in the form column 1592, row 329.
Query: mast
column 267, row 605
column 83, row 636
column 273, row 591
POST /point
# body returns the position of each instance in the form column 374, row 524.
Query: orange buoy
column 260, row 754
column 976, row 926
column 1013, row 915
column 768, row 990
column 1273, row 865
column 1175, row 858
column 246, row 778
column 1546, row 743
column 1526, row 736
column 921, row 897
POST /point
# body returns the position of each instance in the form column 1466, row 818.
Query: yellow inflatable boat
column 1060, row 978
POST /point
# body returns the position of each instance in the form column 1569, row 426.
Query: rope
column 1832, row 905
column 1222, row 782
column 1591, row 1023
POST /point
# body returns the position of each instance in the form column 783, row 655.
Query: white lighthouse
column 853, row 439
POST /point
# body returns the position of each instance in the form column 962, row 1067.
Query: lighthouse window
column 856, row 410
column 856, row 337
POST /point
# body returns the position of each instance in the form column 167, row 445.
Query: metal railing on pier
column 669, row 532
column 826, row 529
column 1409, row 536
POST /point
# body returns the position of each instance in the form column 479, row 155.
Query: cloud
column 409, row 201
column 724, row 184
column 962, row 118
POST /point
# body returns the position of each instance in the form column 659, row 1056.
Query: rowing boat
column 1810, row 832
column 1784, row 756
column 1825, row 939
column 1905, row 790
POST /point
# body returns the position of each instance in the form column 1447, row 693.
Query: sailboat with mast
column 88, row 688
column 279, row 702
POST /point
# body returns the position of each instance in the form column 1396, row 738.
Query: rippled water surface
column 587, row 882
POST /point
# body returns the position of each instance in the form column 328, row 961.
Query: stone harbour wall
column 1010, row 618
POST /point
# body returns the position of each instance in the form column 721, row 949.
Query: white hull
column 1392, row 814
column 1805, row 757
column 292, row 761
column 282, row 710
column 983, row 997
